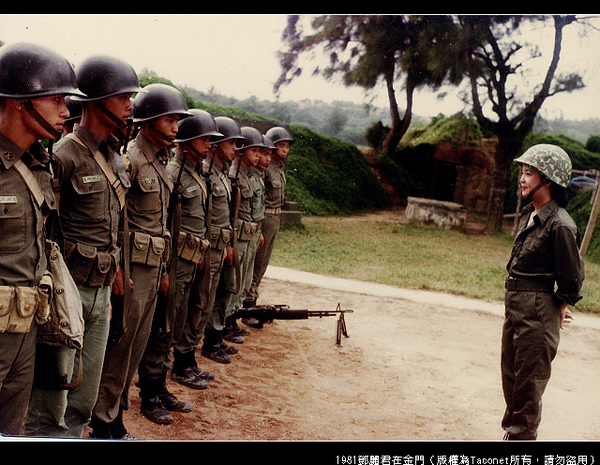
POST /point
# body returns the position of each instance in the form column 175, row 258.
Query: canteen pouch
column 17, row 308
column 191, row 248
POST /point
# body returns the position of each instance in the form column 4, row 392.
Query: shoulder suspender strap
column 196, row 177
column 31, row 182
column 106, row 169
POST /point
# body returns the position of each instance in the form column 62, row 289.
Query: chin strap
column 536, row 188
column 160, row 134
column 110, row 114
column 39, row 119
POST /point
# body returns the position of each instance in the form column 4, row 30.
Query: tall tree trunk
column 399, row 126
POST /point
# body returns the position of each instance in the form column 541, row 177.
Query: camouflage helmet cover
column 550, row 160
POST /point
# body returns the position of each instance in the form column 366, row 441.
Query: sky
column 236, row 56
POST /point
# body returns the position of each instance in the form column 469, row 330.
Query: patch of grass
column 408, row 256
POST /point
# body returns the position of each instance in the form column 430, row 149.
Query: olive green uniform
column 220, row 238
column 89, row 211
column 147, row 208
column 545, row 253
column 22, row 263
column 275, row 182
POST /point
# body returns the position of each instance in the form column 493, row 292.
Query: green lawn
column 408, row 256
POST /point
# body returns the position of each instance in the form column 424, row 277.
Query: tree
column 365, row 49
column 493, row 57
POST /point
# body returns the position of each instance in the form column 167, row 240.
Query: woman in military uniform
column 545, row 274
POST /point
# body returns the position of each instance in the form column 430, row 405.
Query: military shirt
column 548, row 249
column 22, row 248
column 88, row 205
column 258, row 200
column 242, row 174
column 193, row 195
column 275, row 182
column 149, row 195
column 221, row 192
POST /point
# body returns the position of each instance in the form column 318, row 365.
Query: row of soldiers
column 166, row 217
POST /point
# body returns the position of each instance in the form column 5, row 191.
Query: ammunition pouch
column 18, row 306
column 191, row 248
column 220, row 237
column 149, row 250
column 246, row 230
column 89, row 266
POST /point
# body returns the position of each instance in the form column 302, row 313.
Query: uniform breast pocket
column 219, row 191
column 91, row 199
column 537, row 255
column 147, row 199
column 13, row 223
column 246, row 192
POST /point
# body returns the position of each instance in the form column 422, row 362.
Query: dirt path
column 417, row 366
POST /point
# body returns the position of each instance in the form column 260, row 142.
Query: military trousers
column 224, row 298
column 63, row 413
column 530, row 338
column 122, row 359
column 17, row 360
column 270, row 228
column 200, row 304
column 236, row 301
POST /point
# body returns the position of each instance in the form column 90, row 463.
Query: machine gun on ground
column 268, row 313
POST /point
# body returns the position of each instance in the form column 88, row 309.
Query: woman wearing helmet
column 545, row 274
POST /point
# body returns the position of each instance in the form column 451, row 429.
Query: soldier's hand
column 163, row 288
column 566, row 317
column 118, row 288
column 229, row 256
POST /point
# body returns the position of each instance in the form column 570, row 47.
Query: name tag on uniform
column 192, row 189
column 94, row 178
column 150, row 180
column 8, row 199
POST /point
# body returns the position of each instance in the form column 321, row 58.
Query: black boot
column 183, row 371
column 211, row 347
column 169, row 401
column 232, row 332
column 152, row 407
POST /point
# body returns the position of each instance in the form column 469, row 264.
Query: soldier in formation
column 159, row 213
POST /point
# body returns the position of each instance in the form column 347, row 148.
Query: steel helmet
column 269, row 143
column 200, row 124
column 550, row 160
column 229, row 128
column 252, row 138
column 30, row 71
column 159, row 100
column 101, row 76
column 279, row 134
column 74, row 107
